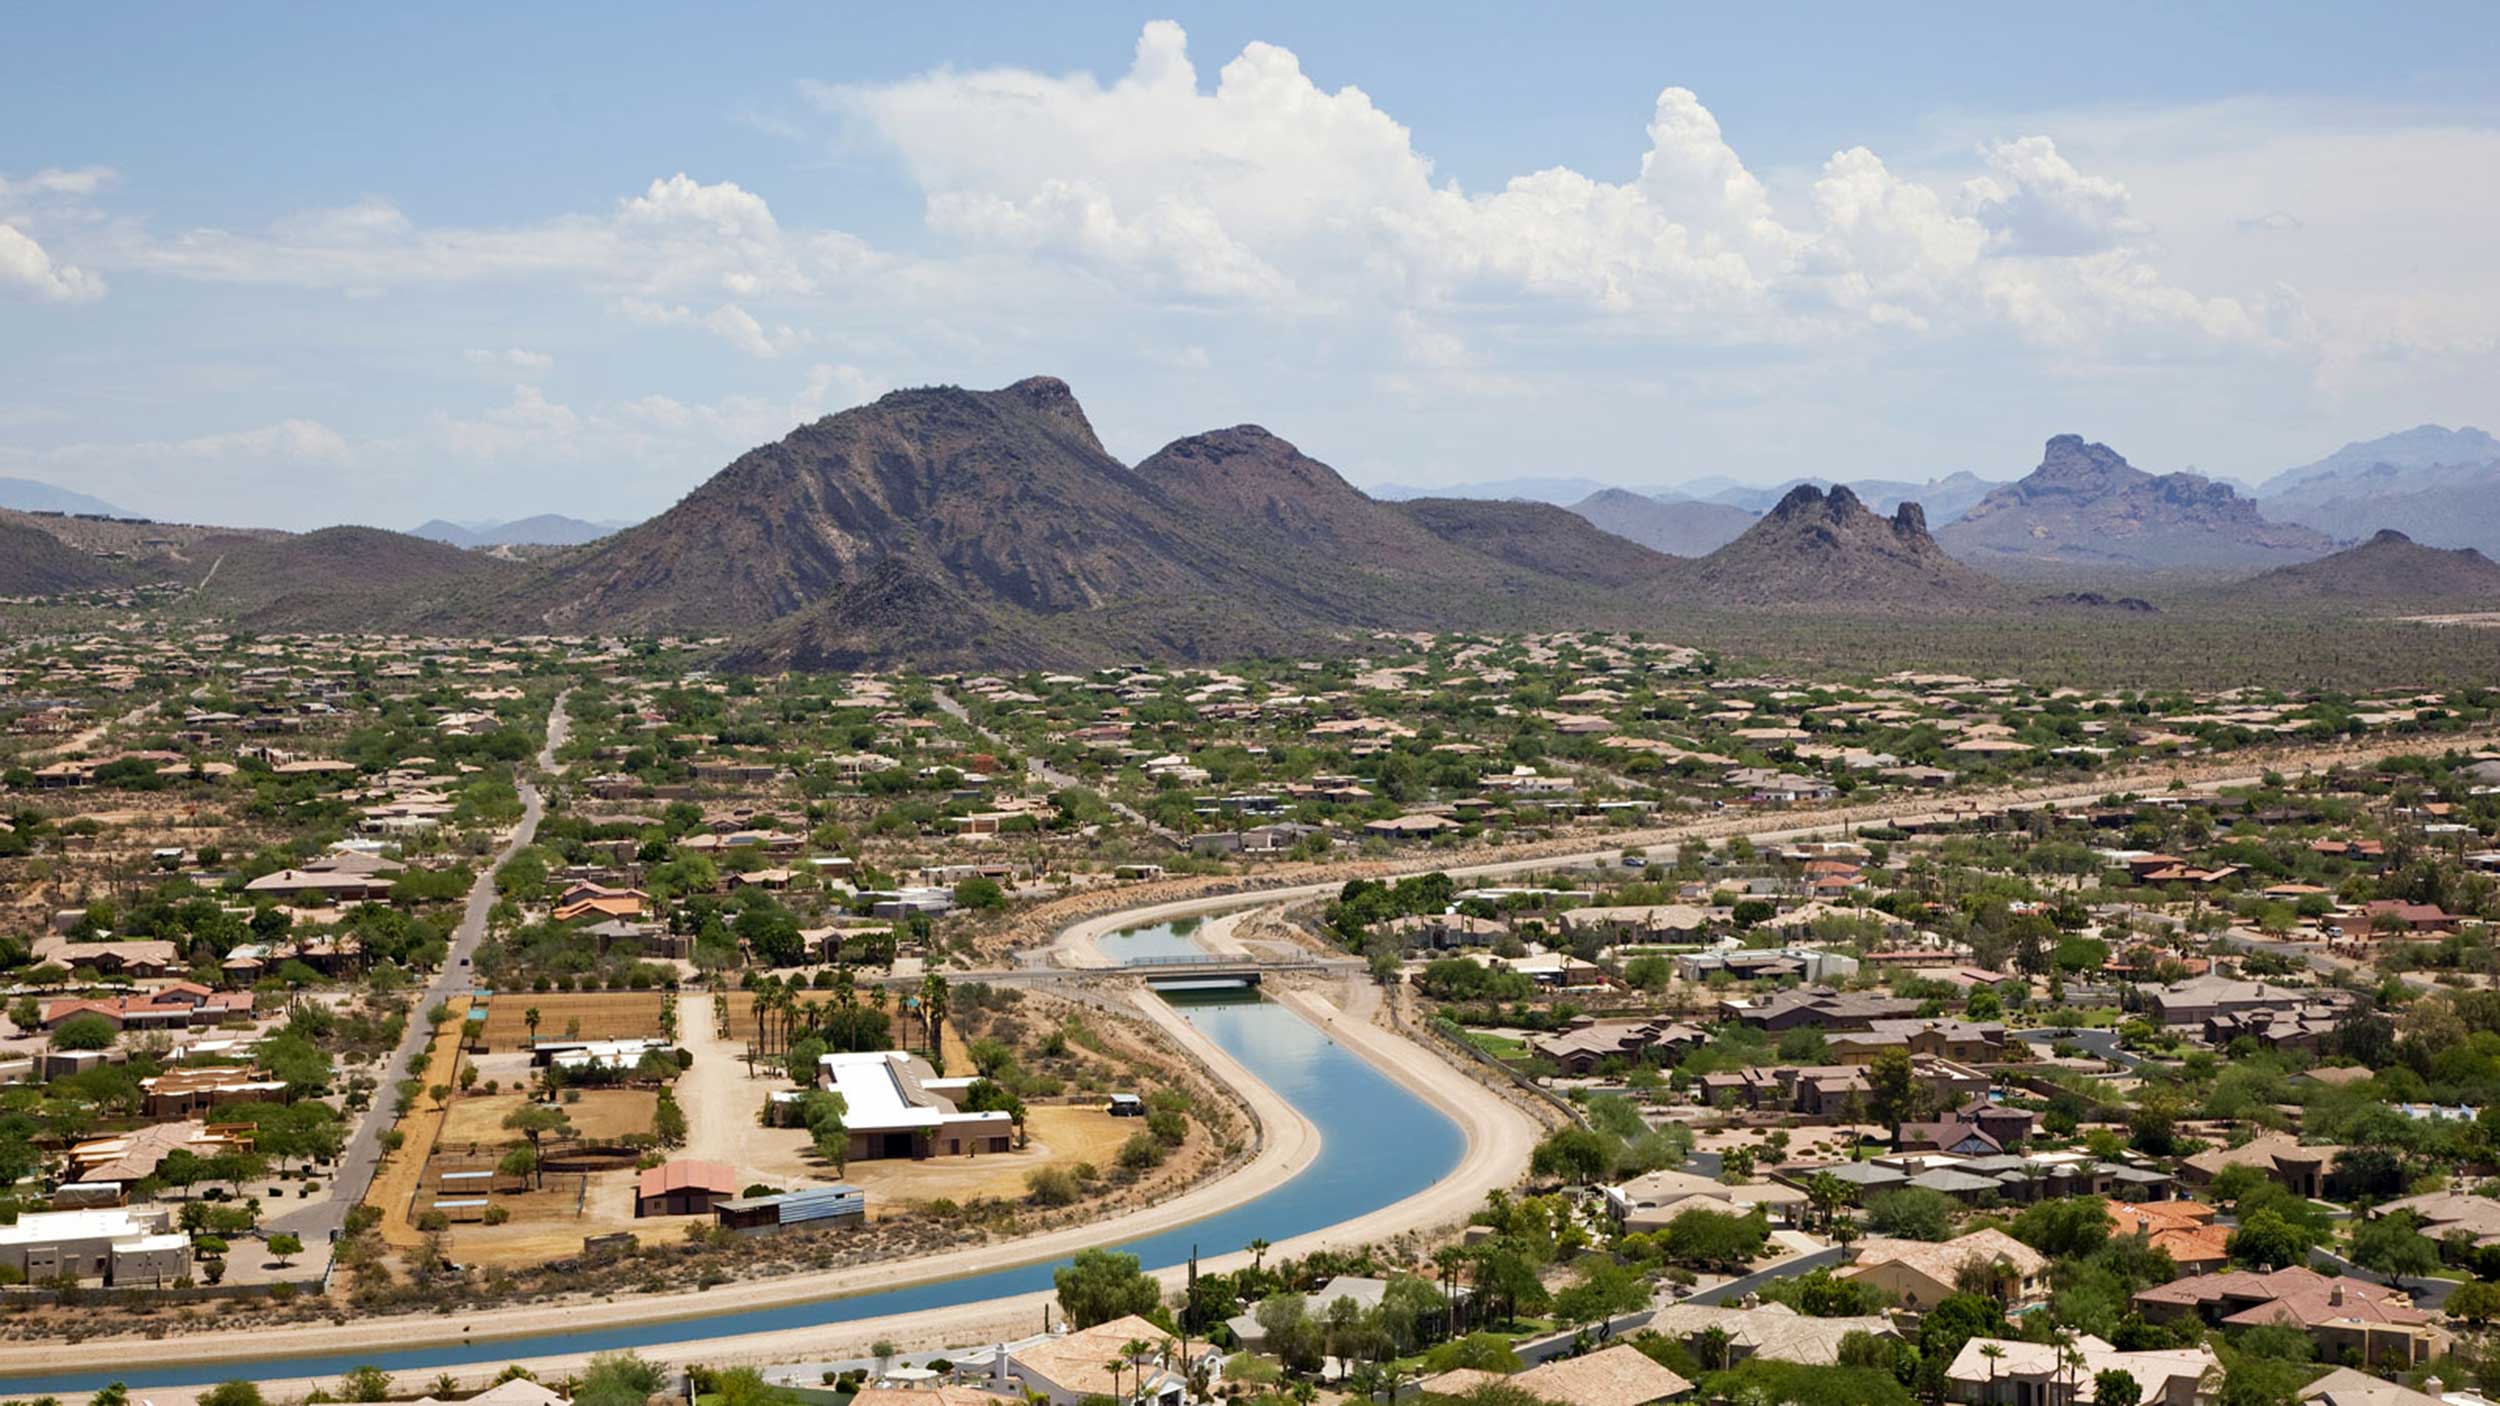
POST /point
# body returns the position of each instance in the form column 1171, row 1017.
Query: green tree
column 237, row 1393
column 1911, row 1213
column 2066, row 1229
column 285, row 1246
column 1894, row 1094
column 367, row 1383
column 2394, row 1244
column 2116, row 1386
column 2267, row 1241
column 1100, row 1285
column 617, row 1379
column 83, row 1032
column 1573, row 1155
column 535, row 1121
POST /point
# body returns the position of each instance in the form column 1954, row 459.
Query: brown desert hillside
column 1826, row 549
column 2390, row 569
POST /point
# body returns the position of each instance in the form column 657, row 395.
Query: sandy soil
column 551, row 1223
column 477, row 1119
column 401, row 1172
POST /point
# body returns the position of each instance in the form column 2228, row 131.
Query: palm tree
column 845, row 989
column 1447, row 1259
column 1258, row 1253
column 933, row 1011
column 530, row 1018
column 1827, row 1194
column 1994, row 1352
column 1114, row 1367
column 1137, row 1350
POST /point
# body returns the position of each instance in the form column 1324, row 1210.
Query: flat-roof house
column 120, row 1245
column 896, row 1106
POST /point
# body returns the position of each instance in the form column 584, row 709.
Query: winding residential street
column 1047, row 774
column 362, row 1156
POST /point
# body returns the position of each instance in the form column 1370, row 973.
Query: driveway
column 362, row 1156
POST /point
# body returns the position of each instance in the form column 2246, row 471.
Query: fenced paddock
column 578, row 1015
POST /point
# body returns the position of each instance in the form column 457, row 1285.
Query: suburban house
column 1649, row 1201
column 2020, row 1373
column 1771, row 1331
column 1616, row 1376
column 599, row 902
column 121, row 1246
column 1585, row 1046
column 1968, row 1041
column 2446, row 1213
column 2341, row 1314
column 2183, row 1230
column 1766, row 964
column 1920, row 1274
column 2305, row 1169
column 1068, row 1369
column 1815, row 1008
column 2199, row 999
column 896, row 1106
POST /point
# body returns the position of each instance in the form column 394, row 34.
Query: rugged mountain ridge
column 2085, row 505
column 935, row 515
column 1824, row 548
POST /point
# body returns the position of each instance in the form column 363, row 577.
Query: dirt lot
column 600, row 1113
column 551, row 1224
column 588, row 1015
column 401, row 1171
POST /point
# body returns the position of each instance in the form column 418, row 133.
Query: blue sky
column 340, row 264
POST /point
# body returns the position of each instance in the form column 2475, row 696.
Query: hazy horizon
column 488, row 264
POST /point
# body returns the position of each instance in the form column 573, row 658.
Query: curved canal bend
column 1379, row 1144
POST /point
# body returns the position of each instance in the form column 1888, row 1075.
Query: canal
column 1379, row 1145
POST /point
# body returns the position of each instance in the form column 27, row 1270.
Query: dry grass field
column 585, row 1015
column 477, row 1119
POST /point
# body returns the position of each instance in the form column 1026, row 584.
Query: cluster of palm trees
column 783, row 1016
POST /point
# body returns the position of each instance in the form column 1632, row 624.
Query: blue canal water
column 1379, row 1144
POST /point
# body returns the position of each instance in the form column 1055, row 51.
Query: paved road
column 362, row 1156
column 1734, row 1290
column 2101, row 1044
column 2427, row 1293
column 1047, row 774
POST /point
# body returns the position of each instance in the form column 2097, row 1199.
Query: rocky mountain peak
column 1050, row 398
column 1909, row 520
column 2388, row 537
column 2070, row 463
